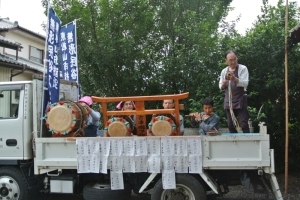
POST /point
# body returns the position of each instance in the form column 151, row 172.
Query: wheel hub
column 180, row 193
column 179, row 196
column 3, row 192
column 9, row 188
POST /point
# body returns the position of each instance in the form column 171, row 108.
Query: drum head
column 59, row 118
column 117, row 127
column 162, row 126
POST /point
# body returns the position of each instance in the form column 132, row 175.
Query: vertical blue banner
column 68, row 50
column 53, row 75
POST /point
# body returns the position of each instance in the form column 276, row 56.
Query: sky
column 249, row 10
column 34, row 17
column 28, row 13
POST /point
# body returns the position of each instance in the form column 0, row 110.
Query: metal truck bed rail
column 227, row 151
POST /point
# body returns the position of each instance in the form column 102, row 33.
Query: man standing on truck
column 94, row 117
column 234, row 80
column 169, row 104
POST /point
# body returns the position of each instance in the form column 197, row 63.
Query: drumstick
column 216, row 130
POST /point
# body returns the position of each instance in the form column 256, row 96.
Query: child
column 207, row 120
column 128, row 105
column 93, row 119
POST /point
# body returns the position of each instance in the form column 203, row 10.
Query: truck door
column 11, row 122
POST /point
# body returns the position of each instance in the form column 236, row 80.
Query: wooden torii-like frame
column 140, row 112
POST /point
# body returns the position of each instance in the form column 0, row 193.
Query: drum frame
column 79, row 114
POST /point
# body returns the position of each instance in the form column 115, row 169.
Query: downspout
column 13, row 75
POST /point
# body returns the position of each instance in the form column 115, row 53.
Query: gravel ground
column 293, row 186
column 241, row 193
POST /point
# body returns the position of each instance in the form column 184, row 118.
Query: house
column 21, row 52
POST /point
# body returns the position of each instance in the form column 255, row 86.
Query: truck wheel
column 97, row 191
column 187, row 188
column 13, row 184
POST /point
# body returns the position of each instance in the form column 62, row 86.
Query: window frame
column 35, row 59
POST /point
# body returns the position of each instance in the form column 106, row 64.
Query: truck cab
column 16, row 118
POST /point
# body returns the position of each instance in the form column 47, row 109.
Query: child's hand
column 192, row 115
column 206, row 116
column 197, row 116
column 88, row 109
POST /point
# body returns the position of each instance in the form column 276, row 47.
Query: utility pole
column 0, row 8
column 286, row 174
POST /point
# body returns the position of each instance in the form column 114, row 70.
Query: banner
column 68, row 49
column 53, row 74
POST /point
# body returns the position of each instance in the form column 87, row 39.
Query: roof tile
column 8, row 41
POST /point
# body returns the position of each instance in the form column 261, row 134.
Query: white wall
column 23, row 77
column 25, row 41
column 4, row 74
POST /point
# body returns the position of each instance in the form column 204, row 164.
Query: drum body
column 162, row 126
column 117, row 127
column 66, row 118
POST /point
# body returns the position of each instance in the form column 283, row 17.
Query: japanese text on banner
column 53, row 79
column 68, row 54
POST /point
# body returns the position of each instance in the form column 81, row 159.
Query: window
column 9, row 101
column 36, row 55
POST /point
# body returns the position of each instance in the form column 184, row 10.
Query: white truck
column 32, row 160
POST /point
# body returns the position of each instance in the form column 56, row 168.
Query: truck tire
column 13, row 184
column 187, row 188
column 98, row 191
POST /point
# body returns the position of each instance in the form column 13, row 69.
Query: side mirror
column 1, row 95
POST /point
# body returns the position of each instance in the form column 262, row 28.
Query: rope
column 234, row 119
